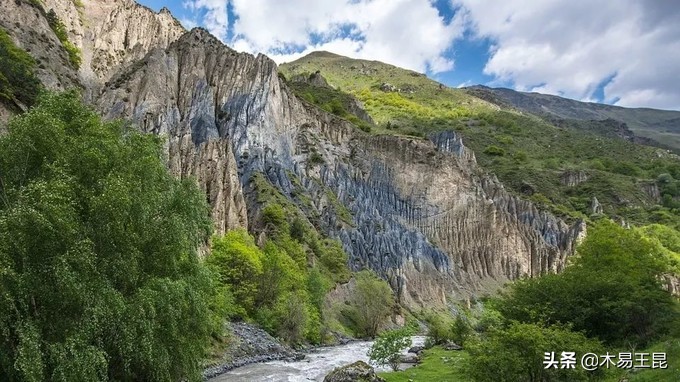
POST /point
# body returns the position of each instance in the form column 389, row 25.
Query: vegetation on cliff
column 17, row 74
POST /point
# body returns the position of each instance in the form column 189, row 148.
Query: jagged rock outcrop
column 422, row 213
column 596, row 207
column 652, row 190
column 573, row 178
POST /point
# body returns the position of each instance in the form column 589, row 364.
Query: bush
column 517, row 354
column 386, row 349
column 494, row 151
column 611, row 291
column 238, row 261
column 17, row 73
column 370, row 304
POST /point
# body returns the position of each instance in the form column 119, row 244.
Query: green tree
column 517, row 353
column 238, row 261
column 99, row 273
column 370, row 303
column 460, row 330
column 386, row 350
column 611, row 291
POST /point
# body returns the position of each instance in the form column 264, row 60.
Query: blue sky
column 591, row 51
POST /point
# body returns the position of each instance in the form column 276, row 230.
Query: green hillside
column 528, row 154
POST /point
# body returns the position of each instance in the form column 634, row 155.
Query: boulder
column 409, row 358
column 416, row 349
column 452, row 346
column 357, row 371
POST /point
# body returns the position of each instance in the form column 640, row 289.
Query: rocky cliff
column 422, row 213
column 419, row 212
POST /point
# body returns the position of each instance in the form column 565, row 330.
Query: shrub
column 494, row 151
column 386, row 349
column 370, row 303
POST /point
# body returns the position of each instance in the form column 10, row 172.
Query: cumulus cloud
column 407, row 33
column 574, row 47
column 215, row 17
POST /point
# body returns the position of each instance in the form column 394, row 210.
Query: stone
column 416, row 349
column 452, row 346
column 356, row 372
column 595, row 207
column 409, row 358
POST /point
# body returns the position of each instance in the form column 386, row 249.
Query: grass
column 438, row 365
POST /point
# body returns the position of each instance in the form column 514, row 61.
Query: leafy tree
column 517, row 354
column 439, row 328
column 99, row 273
column 386, row 350
column 460, row 330
column 370, row 304
column 611, row 291
column 238, row 261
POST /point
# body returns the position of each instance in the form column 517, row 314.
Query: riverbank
column 250, row 344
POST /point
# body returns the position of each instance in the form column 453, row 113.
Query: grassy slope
column 521, row 149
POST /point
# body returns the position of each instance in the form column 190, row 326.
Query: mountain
column 660, row 126
column 572, row 167
column 420, row 212
column 442, row 192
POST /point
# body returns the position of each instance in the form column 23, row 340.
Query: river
column 314, row 367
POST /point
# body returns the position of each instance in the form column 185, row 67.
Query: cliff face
column 112, row 34
column 418, row 212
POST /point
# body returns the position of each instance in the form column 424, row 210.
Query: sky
column 609, row 51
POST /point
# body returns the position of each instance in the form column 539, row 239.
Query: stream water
column 314, row 367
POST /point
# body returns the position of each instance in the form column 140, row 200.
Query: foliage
column 17, row 73
column 439, row 328
column 460, row 330
column 59, row 29
column 517, row 354
column 99, row 273
column 611, row 291
column 386, row 350
column 370, row 303
column 238, row 261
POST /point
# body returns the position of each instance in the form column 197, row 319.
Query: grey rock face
column 573, row 178
column 423, row 215
column 112, row 34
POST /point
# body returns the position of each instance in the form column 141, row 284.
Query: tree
column 370, row 303
column 517, row 353
column 386, row 350
column 99, row 273
column 238, row 261
column 611, row 291
column 460, row 330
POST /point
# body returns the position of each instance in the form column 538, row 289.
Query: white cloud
column 571, row 47
column 407, row 33
column 215, row 19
